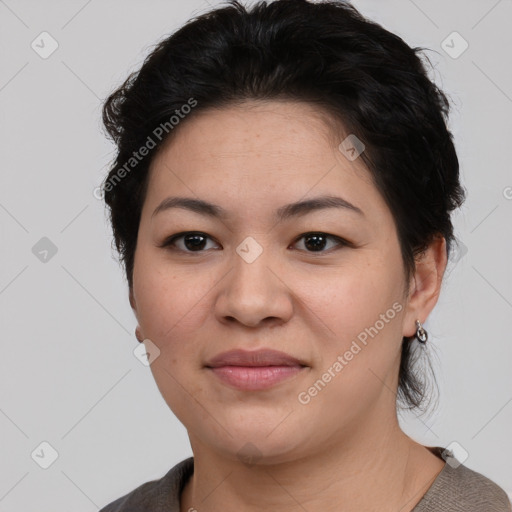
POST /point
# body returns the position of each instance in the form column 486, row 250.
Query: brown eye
column 189, row 241
column 317, row 242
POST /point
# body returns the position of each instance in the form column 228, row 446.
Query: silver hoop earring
column 421, row 334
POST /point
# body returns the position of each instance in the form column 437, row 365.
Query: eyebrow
column 283, row 213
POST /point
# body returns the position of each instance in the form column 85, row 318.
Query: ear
column 425, row 285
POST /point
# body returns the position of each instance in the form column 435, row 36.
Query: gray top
column 456, row 489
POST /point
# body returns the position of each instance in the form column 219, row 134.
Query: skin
column 344, row 450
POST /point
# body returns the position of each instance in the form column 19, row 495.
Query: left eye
column 316, row 242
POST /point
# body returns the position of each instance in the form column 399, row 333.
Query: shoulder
column 460, row 489
column 160, row 495
column 477, row 492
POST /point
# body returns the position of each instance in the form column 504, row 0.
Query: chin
column 256, row 442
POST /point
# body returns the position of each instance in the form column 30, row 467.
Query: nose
column 254, row 293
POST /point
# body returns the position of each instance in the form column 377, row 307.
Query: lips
column 256, row 370
column 255, row 358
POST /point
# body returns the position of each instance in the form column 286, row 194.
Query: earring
column 138, row 335
column 421, row 334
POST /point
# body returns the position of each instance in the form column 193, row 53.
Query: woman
column 281, row 202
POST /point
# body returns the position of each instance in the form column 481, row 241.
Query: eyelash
column 169, row 241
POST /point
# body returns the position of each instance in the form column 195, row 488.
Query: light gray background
column 68, row 374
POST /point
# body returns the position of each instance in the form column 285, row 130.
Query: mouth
column 254, row 370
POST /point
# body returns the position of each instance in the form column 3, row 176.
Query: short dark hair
column 323, row 53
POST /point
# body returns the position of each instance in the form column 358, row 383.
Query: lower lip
column 254, row 378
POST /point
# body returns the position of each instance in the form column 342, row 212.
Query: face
column 324, row 285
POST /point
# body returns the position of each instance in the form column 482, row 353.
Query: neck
column 369, row 469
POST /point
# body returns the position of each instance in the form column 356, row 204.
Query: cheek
column 348, row 301
column 363, row 309
column 171, row 301
column 359, row 361
column 172, row 306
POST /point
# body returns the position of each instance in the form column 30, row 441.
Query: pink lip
column 255, row 370
column 263, row 357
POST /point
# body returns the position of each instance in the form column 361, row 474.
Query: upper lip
column 264, row 357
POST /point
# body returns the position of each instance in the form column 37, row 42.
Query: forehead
column 251, row 127
column 258, row 153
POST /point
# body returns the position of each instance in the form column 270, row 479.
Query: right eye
column 190, row 241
